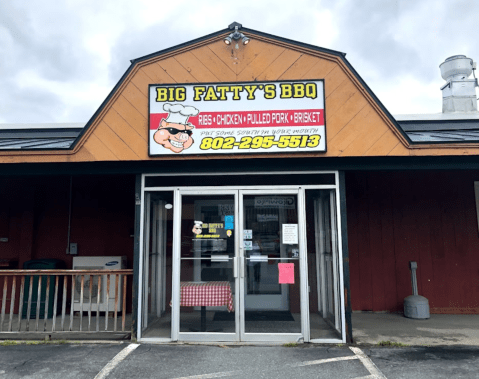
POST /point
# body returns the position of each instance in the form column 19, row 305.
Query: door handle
column 235, row 267
column 242, row 262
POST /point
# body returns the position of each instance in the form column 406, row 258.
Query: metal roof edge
column 439, row 125
column 42, row 126
column 429, row 117
column 40, row 133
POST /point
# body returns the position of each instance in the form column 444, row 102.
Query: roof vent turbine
column 459, row 93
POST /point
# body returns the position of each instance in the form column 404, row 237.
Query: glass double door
column 239, row 274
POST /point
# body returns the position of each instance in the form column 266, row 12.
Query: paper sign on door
column 290, row 234
column 286, row 273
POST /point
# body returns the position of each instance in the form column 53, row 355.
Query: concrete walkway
column 372, row 328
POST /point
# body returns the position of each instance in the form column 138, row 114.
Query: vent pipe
column 459, row 93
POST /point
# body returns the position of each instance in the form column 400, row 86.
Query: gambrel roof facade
column 357, row 124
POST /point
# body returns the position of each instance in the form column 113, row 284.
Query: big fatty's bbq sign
column 229, row 118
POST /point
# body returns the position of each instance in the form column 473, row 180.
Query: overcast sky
column 60, row 59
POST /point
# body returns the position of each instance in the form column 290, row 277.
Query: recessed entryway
column 241, row 264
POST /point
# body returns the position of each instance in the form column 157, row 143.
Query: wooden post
column 47, row 297
column 123, row 312
column 12, row 303
column 55, row 303
column 107, row 300
column 29, row 303
column 82, row 283
column 116, row 300
column 98, row 304
column 89, row 308
column 72, row 302
column 4, row 302
column 20, row 302
column 64, row 301
column 39, row 298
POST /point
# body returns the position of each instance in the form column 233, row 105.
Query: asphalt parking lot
column 235, row 361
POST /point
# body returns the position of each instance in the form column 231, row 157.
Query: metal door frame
column 303, row 272
column 305, row 328
column 175, row 314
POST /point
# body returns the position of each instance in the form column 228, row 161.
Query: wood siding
column 355, row 123
column 427, row 217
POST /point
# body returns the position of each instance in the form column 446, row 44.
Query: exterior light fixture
column 236, row 35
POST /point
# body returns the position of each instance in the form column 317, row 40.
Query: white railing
column 22, row 304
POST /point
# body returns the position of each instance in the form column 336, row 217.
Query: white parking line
column 368, row 363
column 214, row 375
column 300, row 364
column 117, row 359
column 359, row 354
column 327, row 360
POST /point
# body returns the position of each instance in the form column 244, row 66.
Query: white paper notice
column 290, row 234
column 247, row 234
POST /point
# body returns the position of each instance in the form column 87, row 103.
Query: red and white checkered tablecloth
column 209, row 294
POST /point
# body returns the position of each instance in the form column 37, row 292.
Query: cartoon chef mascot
column 175, row 132
column 198, row 227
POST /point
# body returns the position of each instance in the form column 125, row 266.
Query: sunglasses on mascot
column 175, row 131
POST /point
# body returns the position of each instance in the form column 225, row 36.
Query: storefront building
column 257, row 188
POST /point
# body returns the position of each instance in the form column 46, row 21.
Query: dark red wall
column 428, row 217
column 34, row 218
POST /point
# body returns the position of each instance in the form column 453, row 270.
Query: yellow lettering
column 211, row 94
column 236, row 90
column 311, row 90
column 222, row 91
column 298, row 90
column 251, row 90
column 199, row 90
column 170, row 93
column 180, row 94
column 162, row 94
column 286, row 91
column 269, row 91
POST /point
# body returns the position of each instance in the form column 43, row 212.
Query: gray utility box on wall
column 415, row 306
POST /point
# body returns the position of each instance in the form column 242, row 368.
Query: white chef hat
column 179, row 114
column 198, row 224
